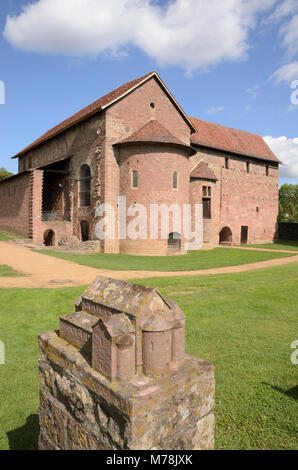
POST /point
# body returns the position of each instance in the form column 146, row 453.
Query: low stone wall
column 81, row 409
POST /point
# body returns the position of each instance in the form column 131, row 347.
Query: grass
column 7, row 271
column 6, row 236
column 203, row 259
column 282, row 245
column 242, row 323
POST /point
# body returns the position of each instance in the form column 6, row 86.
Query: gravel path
column 45, row 271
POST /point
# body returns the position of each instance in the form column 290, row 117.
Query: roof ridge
column 83, row 113
column 224, row 126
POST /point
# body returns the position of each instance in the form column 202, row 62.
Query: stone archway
column 225, row 236
column 49, row 237
column 174, row 241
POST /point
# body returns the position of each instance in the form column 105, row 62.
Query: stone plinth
column 82, row 409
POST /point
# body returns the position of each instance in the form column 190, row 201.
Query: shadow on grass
column 291, row 392
column 26, row 437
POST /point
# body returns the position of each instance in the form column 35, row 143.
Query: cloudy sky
column 234, row 62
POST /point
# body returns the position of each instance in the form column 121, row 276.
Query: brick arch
column 225, row 236
column 49, row 237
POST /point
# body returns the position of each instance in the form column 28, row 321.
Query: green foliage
column 288, row 203
column 4, row 174
column 200, row 259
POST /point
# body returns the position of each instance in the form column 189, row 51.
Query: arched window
column 174, row 241
column 85, row 186
column 134, row 179
column 175, row 180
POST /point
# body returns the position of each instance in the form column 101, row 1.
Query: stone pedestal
column 81, row 409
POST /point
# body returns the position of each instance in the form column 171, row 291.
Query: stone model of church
column 124, row 329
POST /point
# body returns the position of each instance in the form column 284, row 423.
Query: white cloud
column 287, row 151
column 289, row 31
column 286, row 73
column 282, row 10
column 253, row 91
column 215, row 109
column 190, row 33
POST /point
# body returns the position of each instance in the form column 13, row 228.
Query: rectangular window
column 206, row 208
column 267, row 170
column 175, row 180
column 227, row 163
column 247, row 167
column 134, row 179
column 207, row 191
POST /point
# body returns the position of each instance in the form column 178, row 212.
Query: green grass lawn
column 201, row 259
column 282, row 245
column 243, row 323
column 7, row 271
column 5, row 236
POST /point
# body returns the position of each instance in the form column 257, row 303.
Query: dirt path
column 41, row 270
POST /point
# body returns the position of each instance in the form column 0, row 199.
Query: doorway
column 49, row 238
column 84, row 231
column 244, row 234
column 225, row 236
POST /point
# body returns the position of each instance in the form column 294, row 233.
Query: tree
column 288, row 203
column 4, row 174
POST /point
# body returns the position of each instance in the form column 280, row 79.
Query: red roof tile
column 154, row 132
column 203, row 171
column 97, row 106
column 231, row 140
column 87, row 111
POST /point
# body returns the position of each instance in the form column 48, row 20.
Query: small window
column 257, row 209
column 134, row 179
column 227, row 163
column 206, row 208
column 207, row 191
column 247, row 167
column 267, row 170
column 175, row 180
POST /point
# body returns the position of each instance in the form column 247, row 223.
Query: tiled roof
column 231, row 140
column 99, row 105
column 203, row 171
column 124, row 296
column 154, row 132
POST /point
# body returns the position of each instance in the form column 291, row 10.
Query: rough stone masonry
column 116, row 376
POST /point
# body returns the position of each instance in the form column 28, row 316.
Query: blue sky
column 229, row 62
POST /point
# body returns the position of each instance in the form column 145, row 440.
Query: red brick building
column 137, row 142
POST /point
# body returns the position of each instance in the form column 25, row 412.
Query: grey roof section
column 124, row 296
column 117, row 325
column 83, row 320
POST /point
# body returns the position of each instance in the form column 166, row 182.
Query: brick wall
column 14, row 204
column 243, row 199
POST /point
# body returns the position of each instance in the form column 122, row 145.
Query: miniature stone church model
column 124, row 329
column 116, row 376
